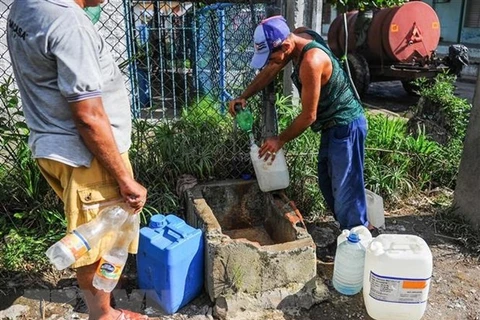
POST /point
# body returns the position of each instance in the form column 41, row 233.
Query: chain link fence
column 182, row 63
column 180, row 53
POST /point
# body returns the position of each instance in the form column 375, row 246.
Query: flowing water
column 252, row 139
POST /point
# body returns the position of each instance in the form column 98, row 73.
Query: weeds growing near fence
column 200, row 143
column 30, row 212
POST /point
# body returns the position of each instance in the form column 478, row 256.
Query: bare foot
column 120, row 314
column 130, row 315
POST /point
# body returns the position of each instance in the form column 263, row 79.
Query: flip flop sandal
column 130, row 315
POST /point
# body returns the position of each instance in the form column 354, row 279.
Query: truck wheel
column 410, row 87
column 360, row 72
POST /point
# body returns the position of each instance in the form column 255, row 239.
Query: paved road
column 391, row 95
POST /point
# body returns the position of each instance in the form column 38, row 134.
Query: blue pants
column 340, row 172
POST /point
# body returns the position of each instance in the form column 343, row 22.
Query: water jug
column 363, row 233
column 170, row 262
column 348, row 266
column 75, row 244
column 271, row 175
column 375, row 212
column 397, row 276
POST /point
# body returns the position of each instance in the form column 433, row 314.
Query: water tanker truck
column 397, row 43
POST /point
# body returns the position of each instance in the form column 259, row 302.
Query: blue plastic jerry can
column 170, row 262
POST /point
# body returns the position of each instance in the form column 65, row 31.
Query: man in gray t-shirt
column 77, row 109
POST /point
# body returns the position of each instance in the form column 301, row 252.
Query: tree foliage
column 363, row 5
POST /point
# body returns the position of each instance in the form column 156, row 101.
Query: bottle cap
column 157, row 221
column 246, row 176
column 353, row 237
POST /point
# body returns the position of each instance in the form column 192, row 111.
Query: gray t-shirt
column 58, row 57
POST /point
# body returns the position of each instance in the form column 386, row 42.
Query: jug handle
column 176, row 230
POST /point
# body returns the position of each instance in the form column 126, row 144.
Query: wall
column 449, row 15
column 470, row 36
column 451, row 20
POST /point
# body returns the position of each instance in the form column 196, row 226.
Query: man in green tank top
column 329, row 106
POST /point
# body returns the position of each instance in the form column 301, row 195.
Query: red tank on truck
column 397, row 43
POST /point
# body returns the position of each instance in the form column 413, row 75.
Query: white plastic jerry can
column 375, row 211
column 397, row 274
column 271, row 175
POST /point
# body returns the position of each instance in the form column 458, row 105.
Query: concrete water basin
column 255, row 242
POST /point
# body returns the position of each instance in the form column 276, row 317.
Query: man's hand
column 270, row 147
column 134, row 194
column 231, row 105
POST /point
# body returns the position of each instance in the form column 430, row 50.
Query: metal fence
column 181, row 53
column 178, row 58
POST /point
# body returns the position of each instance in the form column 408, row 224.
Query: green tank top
column 338, row 104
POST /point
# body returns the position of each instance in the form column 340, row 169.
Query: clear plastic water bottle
column 364, row 234
column 75, row 244
column 112, row 263
column 348, row 266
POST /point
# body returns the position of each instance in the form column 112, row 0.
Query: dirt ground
column 454, row 291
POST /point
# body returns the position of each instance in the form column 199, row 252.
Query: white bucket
column 375, row 211
column 397, row 276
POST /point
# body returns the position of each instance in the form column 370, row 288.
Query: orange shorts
column 84, row 192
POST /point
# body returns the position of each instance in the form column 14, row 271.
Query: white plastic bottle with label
column 396, row 282
column 75, row 244
column 271, row 175
column 348, row 266
column 112, row 263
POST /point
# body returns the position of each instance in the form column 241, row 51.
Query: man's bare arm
column 95, row 130
column 263, row 78
column 310, row 74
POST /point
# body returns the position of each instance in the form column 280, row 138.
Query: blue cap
column 246, row 176
column 157, row 221
column 353, row 237
column 268, row 35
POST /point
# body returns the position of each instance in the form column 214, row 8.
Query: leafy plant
column 199, row 143
column 302, row 157
column 365, row 4
column 24, row 249
column 397, row 163
column 440, row 104
column 443, row 112
column 19, row 173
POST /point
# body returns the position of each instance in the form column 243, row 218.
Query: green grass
column 205, row 143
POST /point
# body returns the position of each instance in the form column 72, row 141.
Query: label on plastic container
column 76, row 243
column 398, row 290
column 109, row 271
